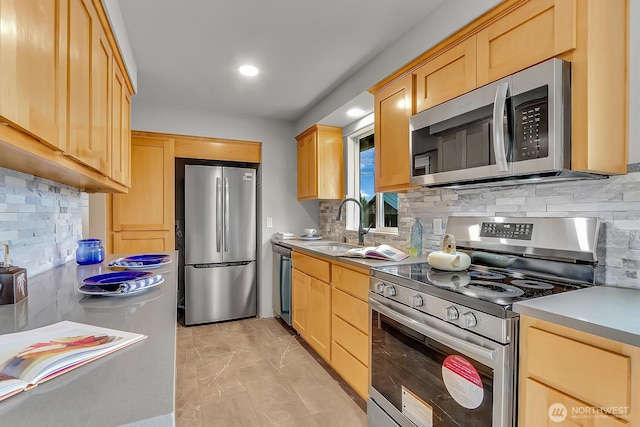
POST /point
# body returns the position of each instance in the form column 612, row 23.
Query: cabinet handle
column 498, row 124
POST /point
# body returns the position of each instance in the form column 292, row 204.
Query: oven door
column 427, row 372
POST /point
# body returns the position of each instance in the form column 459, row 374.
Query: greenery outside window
column 380, row 210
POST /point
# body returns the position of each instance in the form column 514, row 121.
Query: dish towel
column 120, row 262
column 134, row 285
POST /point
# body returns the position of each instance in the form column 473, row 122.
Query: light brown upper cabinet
column 392, row 110
column 89, row 87
column 59, row 63
column 32, row 67
column 120, row 130
column 536, row 31
column 516, row 34
column 320, row 163
column 447, row 75
column 144, row 218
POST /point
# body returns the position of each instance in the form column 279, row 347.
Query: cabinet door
column 319, row 317
column 120, row 129
column 307, row 167
column 89, row 89
column 149, row 205
column 392, row 109
column 299, row 305
column 446, row 76
column 33, row 83
column 128, row 242
column 533, row 32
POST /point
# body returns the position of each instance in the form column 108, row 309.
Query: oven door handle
column 484, row 355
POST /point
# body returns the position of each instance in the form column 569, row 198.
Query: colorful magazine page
column 31, row 357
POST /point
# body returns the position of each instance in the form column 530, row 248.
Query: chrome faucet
column 361, row 231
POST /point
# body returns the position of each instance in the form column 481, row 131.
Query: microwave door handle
column 498, row 125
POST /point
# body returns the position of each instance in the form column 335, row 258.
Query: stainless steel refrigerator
column 220, row 243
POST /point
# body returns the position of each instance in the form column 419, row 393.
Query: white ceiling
column 188, row 52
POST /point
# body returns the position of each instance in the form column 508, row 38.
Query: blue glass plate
column 139, row 265
column 116, row 277
column 147, row 259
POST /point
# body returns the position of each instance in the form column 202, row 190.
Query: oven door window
column 407, row 369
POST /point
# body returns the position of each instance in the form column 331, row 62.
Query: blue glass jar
column 90, row 251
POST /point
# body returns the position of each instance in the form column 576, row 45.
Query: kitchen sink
column 331, row 247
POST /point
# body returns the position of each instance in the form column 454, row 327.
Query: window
column 380, row 210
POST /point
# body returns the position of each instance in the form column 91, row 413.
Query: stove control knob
column 390, row 291
column 380, row 288
column 469, row 320
column 451, row 313
column 416, row 301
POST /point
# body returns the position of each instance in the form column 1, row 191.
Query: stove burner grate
column 486, row 275
column 534, row 284
column 479, row 288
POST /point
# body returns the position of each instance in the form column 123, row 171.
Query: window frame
column 353, row 183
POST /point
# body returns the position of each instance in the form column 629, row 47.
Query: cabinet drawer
column 351, row 309
column 353, row 340
column 351, row 282
column 353, row 372
column 540, row 398
column 596, row 376
column 314, row 267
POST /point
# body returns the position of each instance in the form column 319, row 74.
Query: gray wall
column 41, row 219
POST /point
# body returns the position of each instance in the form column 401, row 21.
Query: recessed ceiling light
column 249, row 70
column 355, row 112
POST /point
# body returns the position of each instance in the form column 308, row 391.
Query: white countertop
column 135, row 385
column 607, row 311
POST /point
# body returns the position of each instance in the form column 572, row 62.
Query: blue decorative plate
column 147, row 259
column 116, row 277
column 139, row 264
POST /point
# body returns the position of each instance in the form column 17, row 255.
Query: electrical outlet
column 437, row 226
column 269, row 222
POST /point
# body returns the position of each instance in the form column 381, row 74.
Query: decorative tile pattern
column 254, row 372
column 41, row 220
column 615, row 200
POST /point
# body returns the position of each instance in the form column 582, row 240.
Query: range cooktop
column 494, row 285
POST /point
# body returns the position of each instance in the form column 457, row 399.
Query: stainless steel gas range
column 444, row 345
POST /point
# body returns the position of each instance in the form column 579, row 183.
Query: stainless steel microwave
column 515, row 129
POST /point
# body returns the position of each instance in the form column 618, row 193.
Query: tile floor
column 255, row 372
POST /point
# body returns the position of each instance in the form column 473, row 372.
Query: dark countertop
column 607, row 311
column 135, row 385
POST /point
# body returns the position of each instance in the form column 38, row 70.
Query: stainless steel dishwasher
column 282, row 282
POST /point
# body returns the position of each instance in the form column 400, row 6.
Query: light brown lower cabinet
column 333, row 318
column 569, row 377
column 311, row 303
column 350, row 329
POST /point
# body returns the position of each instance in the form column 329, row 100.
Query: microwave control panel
column 507, row 230
column 532, row 130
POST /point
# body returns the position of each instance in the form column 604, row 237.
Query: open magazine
column 32, row 357
column 377, row 252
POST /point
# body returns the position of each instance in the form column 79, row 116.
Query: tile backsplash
column 40, row 219
column 615, row 200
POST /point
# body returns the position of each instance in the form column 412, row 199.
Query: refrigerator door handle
column 226, row 214
column 218, row 216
